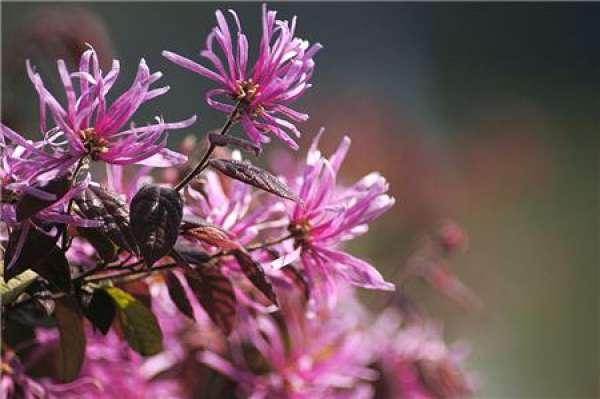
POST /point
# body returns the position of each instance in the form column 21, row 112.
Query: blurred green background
column 483, row 113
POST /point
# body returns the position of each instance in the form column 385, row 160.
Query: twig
column 203, row 162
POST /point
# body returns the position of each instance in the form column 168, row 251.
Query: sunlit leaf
column 139, row 325
column 11, row 289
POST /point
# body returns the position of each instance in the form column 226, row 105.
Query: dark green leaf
column 155, row 214
column 139, row 324
column 72, row 338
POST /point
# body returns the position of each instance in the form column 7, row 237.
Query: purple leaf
column 254, row 176
column 178, row 295
column 215, row 293
column 155, row 215
column 28, row 205
column 72, row 338
column 255, row 274
column 99, row 204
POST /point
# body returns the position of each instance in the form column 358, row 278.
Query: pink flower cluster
column 256, row 294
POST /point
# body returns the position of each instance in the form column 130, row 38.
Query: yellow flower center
column 94, row 144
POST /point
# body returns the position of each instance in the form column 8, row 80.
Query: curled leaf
column 97, row 203
column 253, row 175
column 139, row 324
column 209, row 234
column 222, row 140
column 29, row 204
column 253, row 270
column 155, row 214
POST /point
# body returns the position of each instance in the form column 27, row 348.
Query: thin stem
column 66, row 243
column 269, row 243
column 203, row 162
column 130, row 272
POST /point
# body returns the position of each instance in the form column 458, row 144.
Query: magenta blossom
column 278, row 78
column 416, row 362
column 89, row 126
column 328, row 216
column 300, row 357
column 25, row 169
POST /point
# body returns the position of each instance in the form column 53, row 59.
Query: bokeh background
column 486, row 114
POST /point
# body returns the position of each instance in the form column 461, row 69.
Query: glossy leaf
column 155, row 214
column 253, row 175
column 97, row 203
column 72, row 338
column 139, row 325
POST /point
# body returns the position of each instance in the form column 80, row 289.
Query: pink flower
column 329, row 215
column 416, row 362
column 279, row 76
column 299, row 357
column 89, row 126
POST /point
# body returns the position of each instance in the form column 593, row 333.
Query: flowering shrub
column 220, row 279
